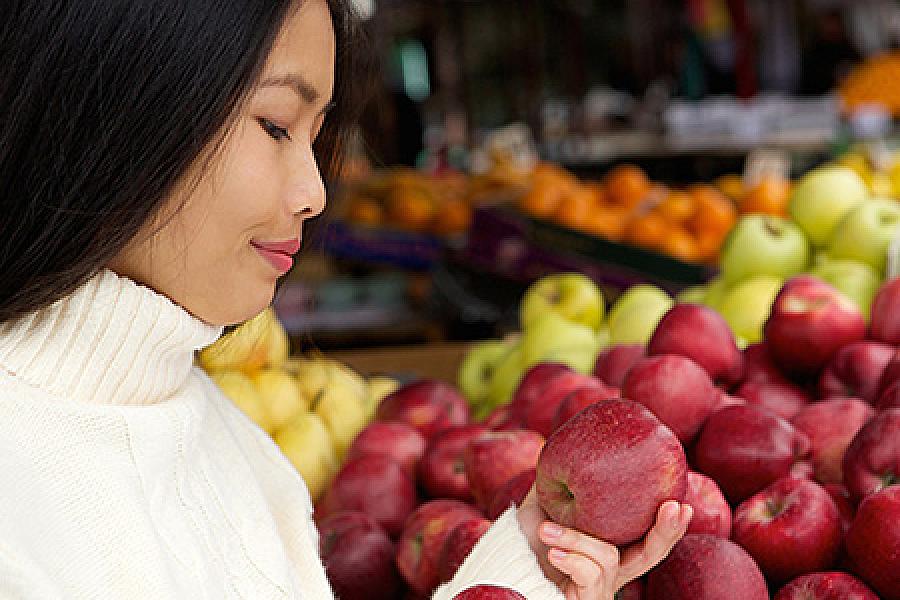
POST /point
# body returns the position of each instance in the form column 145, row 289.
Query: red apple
column 855, row 371
column 842, row 500
column 830, row 426
column 488, row 592
column 890, row 398
column 884, row 322
column 759, row 366
column 359, row 557
column 890, row 374
column 810, row 321
column 442, row 473
column 873, row 542
column 675, row 389
column 712, row 514
column 790, row 528
column 783, row 398
column 399, row 441
column 540, row 417
column 745, row 448
column 612, row 458
column 701, row 334
column 512, row 492
column 428, row 405
column 499, row 418
column 459, row 544
column 580, row 399
column 830, row 585
column 531, row 388
column 633, row 590
column 422, row 541
column 872, row 461
column 726, row 399
column 706, row 567
column 613, row 363
column 373, row 484
column 495, row 457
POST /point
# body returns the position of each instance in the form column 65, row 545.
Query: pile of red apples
column 788, row 452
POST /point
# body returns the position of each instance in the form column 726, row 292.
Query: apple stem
column 568, row 493
column 774, row 508
column 889, row 479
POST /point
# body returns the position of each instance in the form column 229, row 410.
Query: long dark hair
column 106, row 103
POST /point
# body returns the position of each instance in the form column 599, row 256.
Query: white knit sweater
column 125, row 473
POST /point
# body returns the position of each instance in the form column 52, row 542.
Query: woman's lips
column 278, row 254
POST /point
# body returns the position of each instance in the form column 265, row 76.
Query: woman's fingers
column 671, row 523
column 588, row 578
column 600, row 552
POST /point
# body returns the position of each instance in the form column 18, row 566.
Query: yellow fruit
column 278, row 344
column 245, row 348
column 305, row 441
column 343, row 405
column 240, row 389
column 379, row 387
column 280, row 394
column 311, row 375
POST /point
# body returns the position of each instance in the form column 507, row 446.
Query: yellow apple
column 245, row 348
column 281, row 395
column 311, row 374
column 343, row 405
column 305, row 441
column 240, row 389
column 573, row 296
column 277, row 342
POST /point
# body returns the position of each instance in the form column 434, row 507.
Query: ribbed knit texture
column 125, row 473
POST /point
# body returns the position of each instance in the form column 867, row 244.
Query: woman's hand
column 586, row 568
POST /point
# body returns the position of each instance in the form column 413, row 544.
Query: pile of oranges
column 770, row 195
column 688, row 224
column 876, row 81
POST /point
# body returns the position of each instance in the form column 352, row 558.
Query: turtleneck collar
column 112, row 341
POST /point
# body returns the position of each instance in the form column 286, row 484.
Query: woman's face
column 209, row 255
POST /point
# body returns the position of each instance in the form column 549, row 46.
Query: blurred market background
column 506, row 140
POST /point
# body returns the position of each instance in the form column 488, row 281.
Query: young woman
column 158, row 159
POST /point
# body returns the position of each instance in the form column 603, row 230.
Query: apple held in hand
column 573, row 296
column 675, row 389
column 790, row 528
column 614, row 362
column 885, row 318
column 712, row 514
column 865, row 233
column 810, row 322
column 423, row 538
column 873, row 542
column 872, row 461
column 829, row 585
column 701, row 334
column 359, row 557
column 612, row 458
column 441, row 471
column 822, row 198
column 855, row 370
column 764, row 245
column 428, row 405
column 397, row 440
column 830, row 426
column 495, row 457
column 745, row 448
column 375, row 485
column 706, row 567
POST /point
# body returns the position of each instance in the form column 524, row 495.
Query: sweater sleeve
column 502, row 557
column 20, row 579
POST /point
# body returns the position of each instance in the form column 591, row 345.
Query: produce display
column 788, row 450
column 313, row 407
column 873, row 82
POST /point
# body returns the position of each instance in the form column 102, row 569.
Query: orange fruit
column 677, row 207
column 576, row 208
column 715, row 213
column 679, row 243
column 770, row 196
column 732, row 185
column 543, row 198
column 627, row 185
column 454, row 216
column 608, row 222
column 365, row 211
column 647, row 230
column 411, row 208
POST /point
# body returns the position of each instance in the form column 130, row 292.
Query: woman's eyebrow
column 296, row 82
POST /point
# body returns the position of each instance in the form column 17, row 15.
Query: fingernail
column 556, row 555
column 552, row 530
column 687, row 511
column 671, row 512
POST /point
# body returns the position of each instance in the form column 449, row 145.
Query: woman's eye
column 278, row 133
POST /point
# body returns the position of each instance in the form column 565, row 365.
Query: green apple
column 747, row 304
column 508, row 372
column 763, row 245
column 715, row 292
column 573, row 295
column 696, row 294
column 866, row 232
column 476, row 371
column 305, row 442
column 822, row 198
column 636, row 313
column 856, row 280
column 552, row 338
